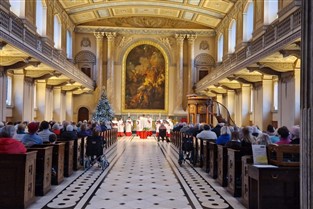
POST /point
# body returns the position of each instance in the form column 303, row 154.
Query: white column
column 110, row 66
column 245, row 104
column 287, row 99
column 57, row 104
column 41, row 100
column 49, row 104
column 99, row 56
column 17, row 96
column 230, row 103
column 69, row 105
column 267, row 91
column 191, row 53
column 179, row 73
column 28, row 107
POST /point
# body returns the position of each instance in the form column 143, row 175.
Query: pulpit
column 199, row 109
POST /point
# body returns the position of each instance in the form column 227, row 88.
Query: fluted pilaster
column 110, row 65
column 191, row 51
column 180, row 71
column 99, row 53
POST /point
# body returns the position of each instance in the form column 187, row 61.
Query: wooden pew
column 57, row 162
column 246, row 161
column 43, row 169
column 206, row 155
column 17, row 182
column 68, row 156
column 195, row 157
column 213, row 159
column 222, row 165
column 200, row 152
column 274, row 187
column 284, row 155
column 77, row 154
column 234, row 172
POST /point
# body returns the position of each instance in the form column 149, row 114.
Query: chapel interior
column 246, row 56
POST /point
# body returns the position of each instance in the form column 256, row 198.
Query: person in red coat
column 8, row 145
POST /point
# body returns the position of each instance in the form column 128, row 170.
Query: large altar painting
column 145, row 79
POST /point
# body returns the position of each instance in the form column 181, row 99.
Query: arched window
column 220, row 47
column 232, row 37
column 69, row 44
column 270, row 11
column 41, row 17
column 17, row 7
column 248, row 17
column 275, row 95
column 57, row 32
column 9, row 91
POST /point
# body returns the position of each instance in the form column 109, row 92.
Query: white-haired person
column 9, row 145
column 295, row 134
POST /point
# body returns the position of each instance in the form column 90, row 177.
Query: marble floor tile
column 143, row 174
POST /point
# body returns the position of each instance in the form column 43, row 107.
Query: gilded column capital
column 110, row 35
column 99, row 35
column 180, row 37
column 191, row 38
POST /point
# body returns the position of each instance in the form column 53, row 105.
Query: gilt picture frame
column 145, row 79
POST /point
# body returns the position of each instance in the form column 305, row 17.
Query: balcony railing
column 14, row 31
column 275, row 37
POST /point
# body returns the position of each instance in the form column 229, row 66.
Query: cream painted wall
column 267, row 89
column 57, row 105
column 78, row 47
column 69, row 105
column 80, row 101
column 49, row 105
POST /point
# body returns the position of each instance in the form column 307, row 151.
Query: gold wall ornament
column 85, row 42
column 145, row 79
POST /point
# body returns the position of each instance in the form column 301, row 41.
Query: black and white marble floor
column 143, row 174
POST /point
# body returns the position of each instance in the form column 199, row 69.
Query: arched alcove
column 203, row 65
column 86, row 61
column 83, row 114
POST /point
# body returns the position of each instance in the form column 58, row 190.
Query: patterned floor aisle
column 142, row 174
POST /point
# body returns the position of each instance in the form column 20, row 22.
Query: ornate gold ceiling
column 149, row 13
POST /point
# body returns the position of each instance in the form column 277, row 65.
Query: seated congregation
column 224, row 153
column 43, row 154
column 229, row 155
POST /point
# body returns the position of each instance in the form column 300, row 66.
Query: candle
column 128, row 114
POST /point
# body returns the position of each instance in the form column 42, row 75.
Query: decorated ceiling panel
column 205, row 14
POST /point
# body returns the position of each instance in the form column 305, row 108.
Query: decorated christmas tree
column 104, row 111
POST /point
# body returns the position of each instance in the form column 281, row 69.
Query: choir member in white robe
column 120, row 129
column 128, row 126
column 114, row 123
column 143, row 126
column 171, row 126
column 138, row 126
column 157, row 126
column 149, row 125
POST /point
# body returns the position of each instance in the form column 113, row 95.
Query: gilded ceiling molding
column 146, row 31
